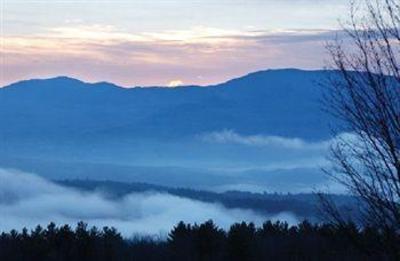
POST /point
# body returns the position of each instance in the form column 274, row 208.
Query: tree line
column 206, row 241
column 304, row 205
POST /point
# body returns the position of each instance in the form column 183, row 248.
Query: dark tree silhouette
column 243, row 241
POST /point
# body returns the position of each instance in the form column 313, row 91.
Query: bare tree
column 364, row 94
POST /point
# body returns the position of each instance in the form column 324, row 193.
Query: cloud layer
column 198, row 55
column 230, row 136
column 27, row 200
column 155, row 42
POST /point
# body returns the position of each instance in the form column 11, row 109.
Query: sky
column 162, row 42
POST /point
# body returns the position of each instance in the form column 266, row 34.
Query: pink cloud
column 199, row 56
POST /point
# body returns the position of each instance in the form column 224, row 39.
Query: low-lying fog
column 27, row 200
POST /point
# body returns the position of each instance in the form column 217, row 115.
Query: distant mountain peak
column 59, row 82
column 63, row 78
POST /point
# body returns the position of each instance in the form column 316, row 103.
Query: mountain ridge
column 273, row 102
column 66, row 78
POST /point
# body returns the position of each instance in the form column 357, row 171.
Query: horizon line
column 163, row 86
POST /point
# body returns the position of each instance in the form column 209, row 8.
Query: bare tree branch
column 364, row 94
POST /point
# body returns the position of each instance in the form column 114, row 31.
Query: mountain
column 274, row 102
column 66, row 128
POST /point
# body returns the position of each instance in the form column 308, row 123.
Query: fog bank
column 27, row 200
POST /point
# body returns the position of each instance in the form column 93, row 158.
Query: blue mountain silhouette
column 273, row 102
